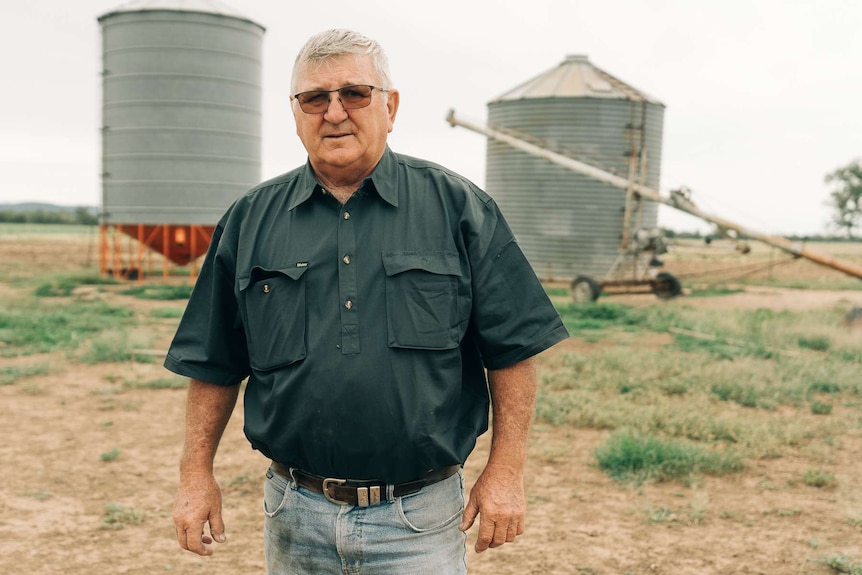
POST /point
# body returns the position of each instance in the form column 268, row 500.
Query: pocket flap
column 258, row 273
column 445, row 263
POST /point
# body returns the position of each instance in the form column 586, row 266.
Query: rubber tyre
column 666, row 286
column 585, row 289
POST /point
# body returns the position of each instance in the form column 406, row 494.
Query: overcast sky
column 764, row 97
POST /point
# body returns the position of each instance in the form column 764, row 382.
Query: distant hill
column 43, row 213
column 43, row 207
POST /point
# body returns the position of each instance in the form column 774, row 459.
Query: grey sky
column 763, row 96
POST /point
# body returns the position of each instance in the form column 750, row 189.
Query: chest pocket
column 422, row 299
column 275, row 308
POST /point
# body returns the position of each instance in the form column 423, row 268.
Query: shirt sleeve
column 512, row 315
column 210, row 343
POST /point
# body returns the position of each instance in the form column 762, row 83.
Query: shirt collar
column 384, row 179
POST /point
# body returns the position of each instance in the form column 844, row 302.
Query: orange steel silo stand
column 177, row 244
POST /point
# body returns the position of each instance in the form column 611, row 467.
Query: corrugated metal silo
column 567, row 223
column 181, row 131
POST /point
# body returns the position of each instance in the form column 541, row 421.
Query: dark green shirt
column 364, row 328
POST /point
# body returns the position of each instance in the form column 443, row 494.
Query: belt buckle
column 331, row 481
column 365, row 496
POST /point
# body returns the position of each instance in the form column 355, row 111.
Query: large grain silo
column 569, row 224
column 181, row 125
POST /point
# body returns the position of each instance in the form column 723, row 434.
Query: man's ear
column 392, row 101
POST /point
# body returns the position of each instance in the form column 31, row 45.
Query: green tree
column 84, row 217
column 846, row 197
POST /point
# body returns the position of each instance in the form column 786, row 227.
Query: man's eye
column 316, row 98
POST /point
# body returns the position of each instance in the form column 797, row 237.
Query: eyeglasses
column 351, row 98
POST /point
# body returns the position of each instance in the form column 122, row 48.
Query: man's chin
column 340, row 156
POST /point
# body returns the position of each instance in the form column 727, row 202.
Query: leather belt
column 361, row 493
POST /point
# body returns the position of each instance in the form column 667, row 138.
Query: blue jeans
column 417, row 534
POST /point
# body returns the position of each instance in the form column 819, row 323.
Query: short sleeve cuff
column 202, row 373
column 534, row 348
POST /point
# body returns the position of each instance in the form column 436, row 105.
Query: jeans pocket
column 275, row 308
column 435, row 506
column 275, row 491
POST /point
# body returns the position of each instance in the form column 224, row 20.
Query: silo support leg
column 166, row 250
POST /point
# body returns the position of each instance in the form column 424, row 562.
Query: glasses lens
column 351, row 97
column 313, row 102
column 355, row 96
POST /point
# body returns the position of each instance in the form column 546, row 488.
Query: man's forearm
column 513, row 395
column 208, row 409
column 498, row 494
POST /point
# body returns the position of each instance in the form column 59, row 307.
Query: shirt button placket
column 348, row 284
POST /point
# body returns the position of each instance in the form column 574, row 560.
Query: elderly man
column 363, row 295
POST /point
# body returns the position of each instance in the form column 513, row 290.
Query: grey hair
column 338, row 42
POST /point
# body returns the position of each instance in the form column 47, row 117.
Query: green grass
column 157, row 384
column 557, row 291
column 599, row 316
column 159, row 291
column 111, row 455
column 39, row 229
column 820, row 479
column 40, row 326
column 821, row 408
column 637, row 458
column 13, row 373
column 116, row 346
column 167, row 313
column 714, row 291
column 816, row 343
column 842, row 563
column 725, row 380
column 117, row 516
column 64, row 285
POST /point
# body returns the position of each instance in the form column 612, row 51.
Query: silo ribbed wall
column 181, row 115
column 566, row 223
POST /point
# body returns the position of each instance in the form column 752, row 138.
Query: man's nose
column 335, row 112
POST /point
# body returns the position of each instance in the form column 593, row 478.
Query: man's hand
column 498, row 499
column 498, row 495
column 198, row 502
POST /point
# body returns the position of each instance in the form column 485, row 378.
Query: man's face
column 344, row 143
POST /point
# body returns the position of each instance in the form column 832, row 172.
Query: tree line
column 78, row 216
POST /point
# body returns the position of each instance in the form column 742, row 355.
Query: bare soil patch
column 67, row 507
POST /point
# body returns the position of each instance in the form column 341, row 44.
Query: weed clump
column 116, row 516
column 820, row 479
column 159, row 291
column 627, row 457
column 63, row 286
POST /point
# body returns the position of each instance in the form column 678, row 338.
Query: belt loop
column 292, row 478
column 390, row 492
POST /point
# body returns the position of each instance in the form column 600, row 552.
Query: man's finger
column 217, row 525
column 470, row 512
column 486, row 534
column 512, row 532
column 501, row 533
column 181, row 536
column 195, row 541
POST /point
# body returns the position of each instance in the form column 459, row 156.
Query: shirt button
column 348, row 304
column 266, row 288
column 346, row 215
column 346, row 259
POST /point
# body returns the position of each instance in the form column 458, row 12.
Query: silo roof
column 575, row 77
column 205, row 6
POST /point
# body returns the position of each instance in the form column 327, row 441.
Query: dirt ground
column 57, row 476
